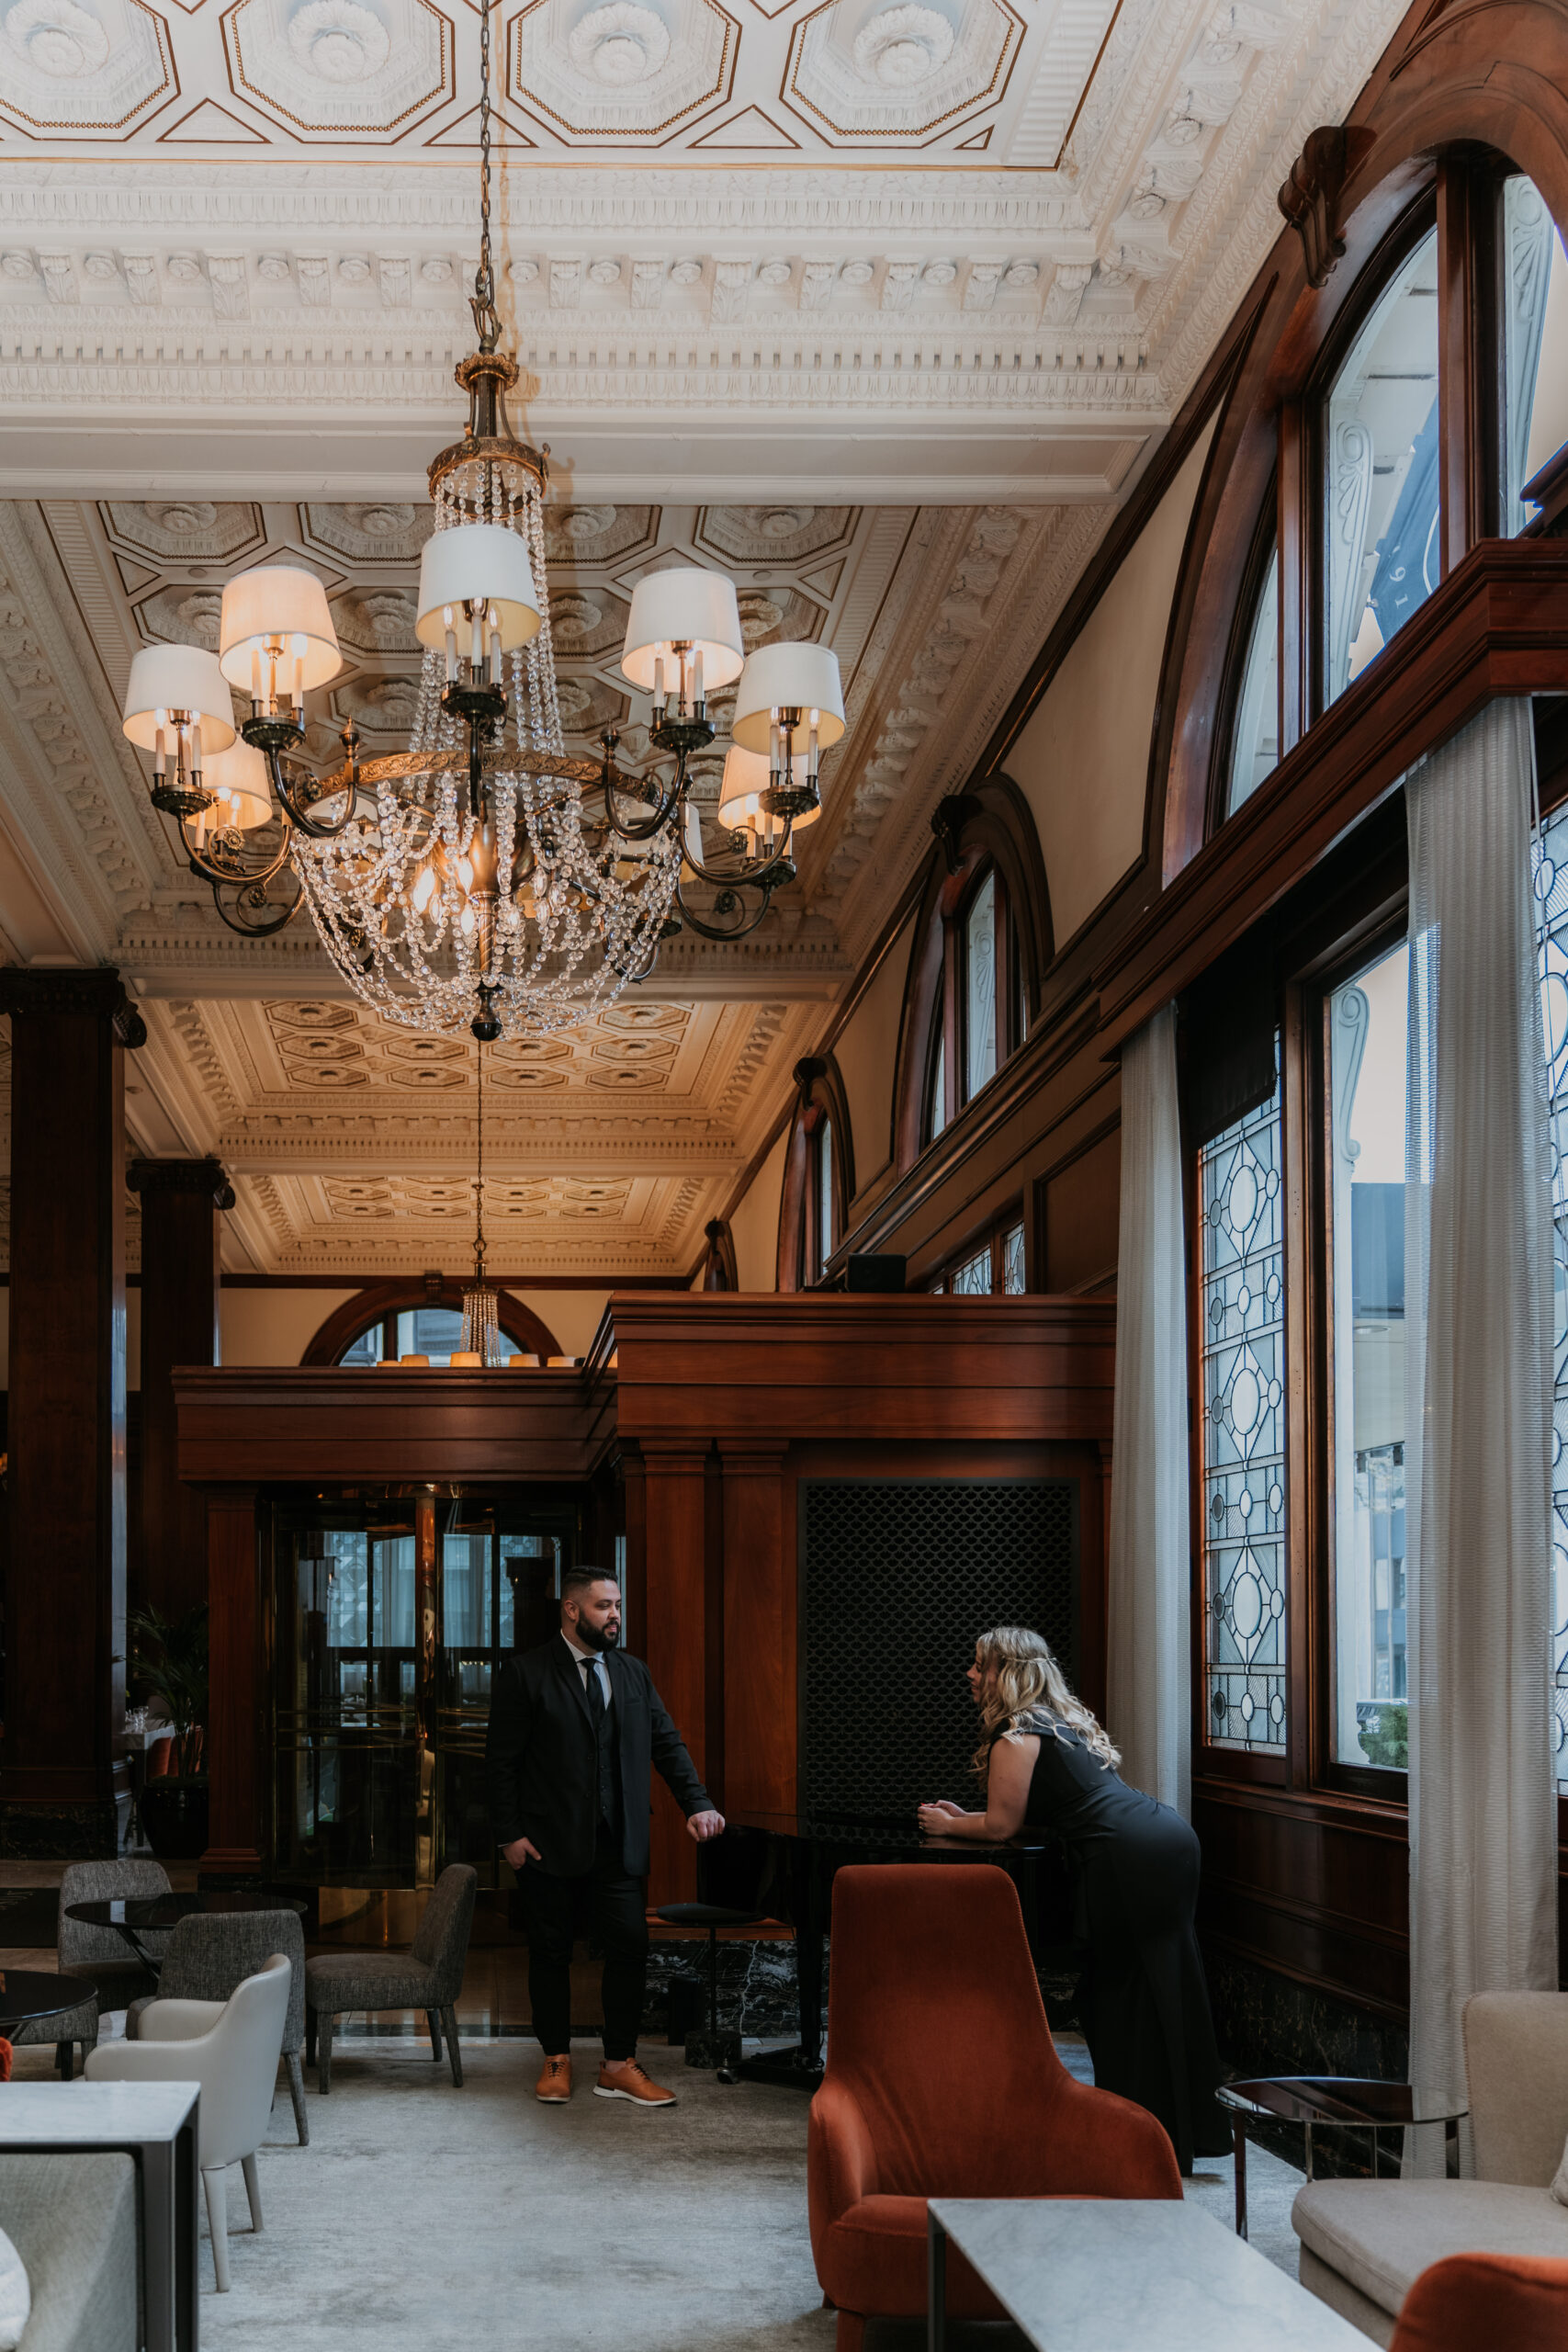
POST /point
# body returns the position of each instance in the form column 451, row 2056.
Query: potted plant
column 168, row 1663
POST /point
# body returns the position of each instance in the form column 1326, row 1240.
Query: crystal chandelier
column 485, row 875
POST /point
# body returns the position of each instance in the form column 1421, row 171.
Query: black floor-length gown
column 1143, row 2002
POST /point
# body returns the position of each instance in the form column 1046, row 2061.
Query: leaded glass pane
column 1551, row 916
column 1381, row 469
column 939, row 1088
column 1012, row 1262
column 973, row 1278
column 1242, row 1353
column 980, row 984
column 1254, row 745
column 1367, row 1022
column 1535, row 344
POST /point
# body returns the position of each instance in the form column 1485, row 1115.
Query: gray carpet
column 420, row 2216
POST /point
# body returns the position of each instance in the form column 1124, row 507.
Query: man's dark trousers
column 612, row 1906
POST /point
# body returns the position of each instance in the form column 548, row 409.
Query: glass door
column 390, row 1623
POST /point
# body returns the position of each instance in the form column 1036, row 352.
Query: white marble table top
column 74, row 2115
column 1130, row 2274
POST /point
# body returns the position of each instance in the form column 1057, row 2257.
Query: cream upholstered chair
column 210, row 1954
column 231, row 2049
column 1365, row 2243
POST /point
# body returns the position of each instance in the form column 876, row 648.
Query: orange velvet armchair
column 942, row 2080
column 1485, row 2303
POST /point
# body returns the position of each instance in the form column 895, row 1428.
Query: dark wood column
column 180, row 1203
column 235, row 1747
column 61, row 1775
column 673, row 1636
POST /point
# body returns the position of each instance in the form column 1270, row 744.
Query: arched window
column 983, row 937
column 818, row 1178
column 1255, row 737
column 386, row 1320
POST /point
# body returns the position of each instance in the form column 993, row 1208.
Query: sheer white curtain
column 1478, row 1371
column 1150, row 1697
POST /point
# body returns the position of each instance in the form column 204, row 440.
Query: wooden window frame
column 821, row 1101
column 992, row 1237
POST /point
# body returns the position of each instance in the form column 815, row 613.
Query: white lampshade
column 686, row 606
column 240, row 778
column 776, row 677
column 745, row 781
column 179, row 677
column 477, row 563
column 277, row 600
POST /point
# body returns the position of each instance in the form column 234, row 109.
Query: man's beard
column 593, row 1637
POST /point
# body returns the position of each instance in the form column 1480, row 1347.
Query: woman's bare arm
column 1007, row 1795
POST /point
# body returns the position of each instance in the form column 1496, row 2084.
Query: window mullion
column 1465, row 414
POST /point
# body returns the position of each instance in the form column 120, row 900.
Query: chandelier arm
column 756, row 876
column 253, row 893
column 720, row 932
column 633, row 831
column 211, row 869
column 297, row 808
column 557, row 766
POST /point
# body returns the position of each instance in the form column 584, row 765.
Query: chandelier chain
column 485, row 316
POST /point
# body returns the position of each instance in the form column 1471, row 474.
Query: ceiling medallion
column 484, row 876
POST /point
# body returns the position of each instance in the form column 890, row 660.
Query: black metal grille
column 898, row 1577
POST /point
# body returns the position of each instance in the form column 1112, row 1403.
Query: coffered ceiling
column 880, row 306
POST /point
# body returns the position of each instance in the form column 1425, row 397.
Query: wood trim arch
column 990, row 824
column 1491, row 76
column 819, row 1092
column 719, row 1269
column 378, row 1300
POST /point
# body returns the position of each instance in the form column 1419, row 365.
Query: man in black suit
column 574, row 1727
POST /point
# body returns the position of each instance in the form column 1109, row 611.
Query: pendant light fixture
column 481, row 1325
column 484, row 876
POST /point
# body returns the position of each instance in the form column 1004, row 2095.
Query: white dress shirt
column 590, row 1662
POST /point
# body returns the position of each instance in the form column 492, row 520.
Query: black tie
column 595, row 1694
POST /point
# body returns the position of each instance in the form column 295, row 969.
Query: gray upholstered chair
column 429, row 1978
column 77, row 2025
column 210, row 1955
column 102, row 1954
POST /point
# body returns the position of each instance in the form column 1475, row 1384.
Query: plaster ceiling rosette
column 384, row 530
column 377, row 620
column 588, row 704
column 773, row 534
column 341, row 69
column 91, row 69
column 184, row 530
column 182, row 617
column 862, row 70
column 589, row 535
column 621, row 69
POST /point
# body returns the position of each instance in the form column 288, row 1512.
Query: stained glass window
column 1242, row 1353
column 973, row 1278
column 980, row 985
column 1552, row 918
column 1012, row 1262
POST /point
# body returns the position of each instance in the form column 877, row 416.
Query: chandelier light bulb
column 800, row 677
column 166, row 680
column 693, row 609
column 277, row 615
column 483, row 570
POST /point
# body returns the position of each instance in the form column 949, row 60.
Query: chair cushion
column 366, row 1980
column 1381, row 2235
column 873, row 2260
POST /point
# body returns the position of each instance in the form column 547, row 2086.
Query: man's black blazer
column 541, row 1758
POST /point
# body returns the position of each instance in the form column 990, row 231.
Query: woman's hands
column 936, row 1818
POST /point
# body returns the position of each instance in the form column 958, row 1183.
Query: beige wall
column 572, row 1315
column 273, row 1326
column 866, row 1050
column 755, row 1224
column 1082, row 763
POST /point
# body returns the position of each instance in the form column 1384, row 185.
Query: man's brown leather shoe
column 554, row 2085
column 624, row 2078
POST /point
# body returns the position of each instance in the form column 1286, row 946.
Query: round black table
column 156, row 1914
column 27, row 1994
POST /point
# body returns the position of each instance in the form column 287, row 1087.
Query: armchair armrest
column 146, row 2062
column 841, row 2163
column 174, row 2021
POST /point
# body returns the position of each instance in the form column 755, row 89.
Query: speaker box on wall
column 898, row 1576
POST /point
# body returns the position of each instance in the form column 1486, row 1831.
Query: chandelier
column 485, row 875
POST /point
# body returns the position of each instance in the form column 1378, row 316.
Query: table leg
column 1240, row 2176
column 936, row 2284
column 187, row 2246
column 159, row 2258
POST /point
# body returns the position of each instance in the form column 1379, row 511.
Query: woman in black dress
column 1047, row 1763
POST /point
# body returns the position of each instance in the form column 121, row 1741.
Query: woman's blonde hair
column 1031, row 1694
